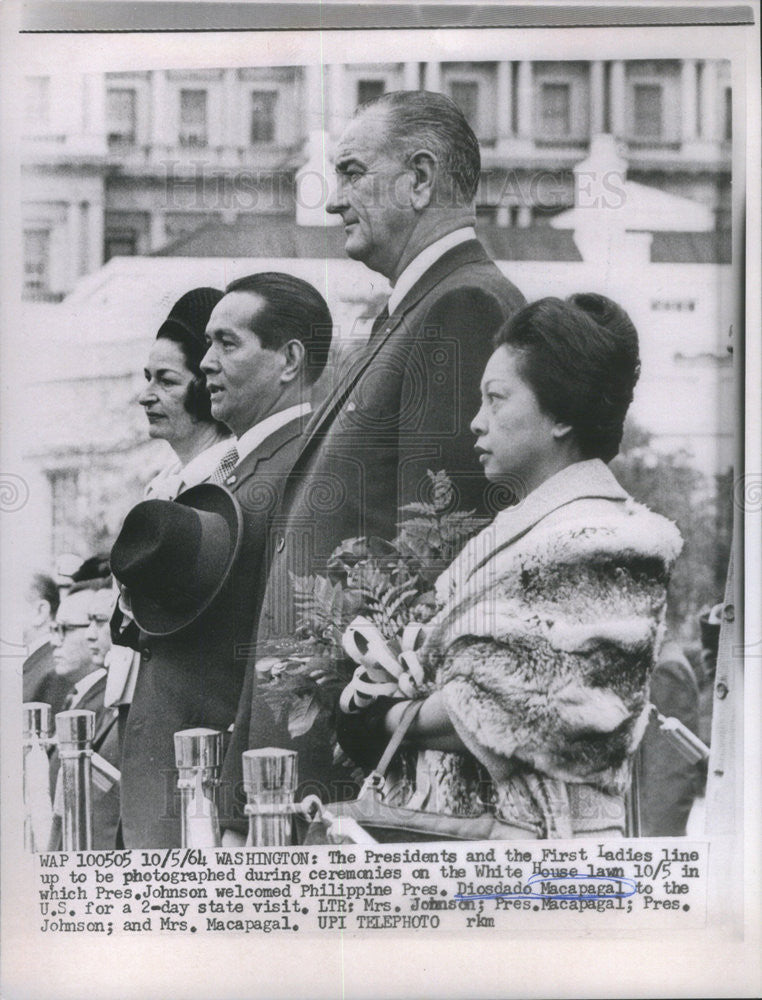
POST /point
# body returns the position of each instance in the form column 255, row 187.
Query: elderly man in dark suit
column 268, row 341
column 407, row 169
column 80, row 654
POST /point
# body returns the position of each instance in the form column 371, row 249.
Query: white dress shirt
column 83, row 686
column 175, row 477
column 420, row 264
column 254, row 436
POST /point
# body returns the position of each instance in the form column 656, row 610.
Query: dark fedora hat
column 174, row 556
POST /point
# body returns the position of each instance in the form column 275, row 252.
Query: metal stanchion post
column 269, row 779
column 74, row 733
column 38, row 809
column 198, row 756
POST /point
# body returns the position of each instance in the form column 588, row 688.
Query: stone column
column 313, row 104
column 95, row 234
column 525, row 97
column 66, row 112
column 73, row 243
column 524, row 218
column 597, row 124
column 95, row 124
column 231, row 110
column 159, row 134
column 504, row 102
column 411, row 78
column 83, row 264
column 503, row 217
column 689, row 100
column 158, row 232
column 433, row 76
column 337, row 99
column 709, row 95
column 617, row 100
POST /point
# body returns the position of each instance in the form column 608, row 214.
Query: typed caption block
column 451, row 887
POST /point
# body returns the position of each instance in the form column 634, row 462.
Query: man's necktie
column 226, row 465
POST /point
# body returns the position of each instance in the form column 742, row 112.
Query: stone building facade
column 122, row 164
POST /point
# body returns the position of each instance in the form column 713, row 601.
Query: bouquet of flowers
column 380, row 588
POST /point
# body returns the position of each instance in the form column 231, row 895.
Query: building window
column 37, row 100
column 369, row 90
column 263, row 116
column 121, row 243
column 728, row 129
column 647, row 111
column 193, row 118
column 121, row 114
column 555, row 110
column 465, row 93
column 36, row 262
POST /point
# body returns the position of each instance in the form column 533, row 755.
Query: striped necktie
column 226, row 465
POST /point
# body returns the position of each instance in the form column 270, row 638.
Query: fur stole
column 545, row 649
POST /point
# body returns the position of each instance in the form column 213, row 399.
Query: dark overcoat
column 403, row 407
column 41, row 682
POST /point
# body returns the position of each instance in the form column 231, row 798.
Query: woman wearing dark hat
column 177, row 406
column 175, row 398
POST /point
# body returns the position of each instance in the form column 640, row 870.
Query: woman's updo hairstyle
column 580, row 357
column 186, row 326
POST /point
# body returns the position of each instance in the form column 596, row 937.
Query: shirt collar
column 420, row 264
column 82, row 687
column 200, row 468
column 255, row 435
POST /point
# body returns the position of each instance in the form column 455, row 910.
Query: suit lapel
column 470, row 252
column 267, row 448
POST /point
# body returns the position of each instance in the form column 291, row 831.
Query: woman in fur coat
column 537, row 666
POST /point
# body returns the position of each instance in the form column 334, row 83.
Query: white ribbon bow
column 381, row 671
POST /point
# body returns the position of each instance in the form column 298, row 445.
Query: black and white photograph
column 380, row 484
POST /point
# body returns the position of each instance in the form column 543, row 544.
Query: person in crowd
column 175, row 398
column 669, row 784
column 267, row 342
column 710, row 620
column 71, row 653
column 81, row 656
column 40, row 682
column 537, row 666
column 407, row 170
